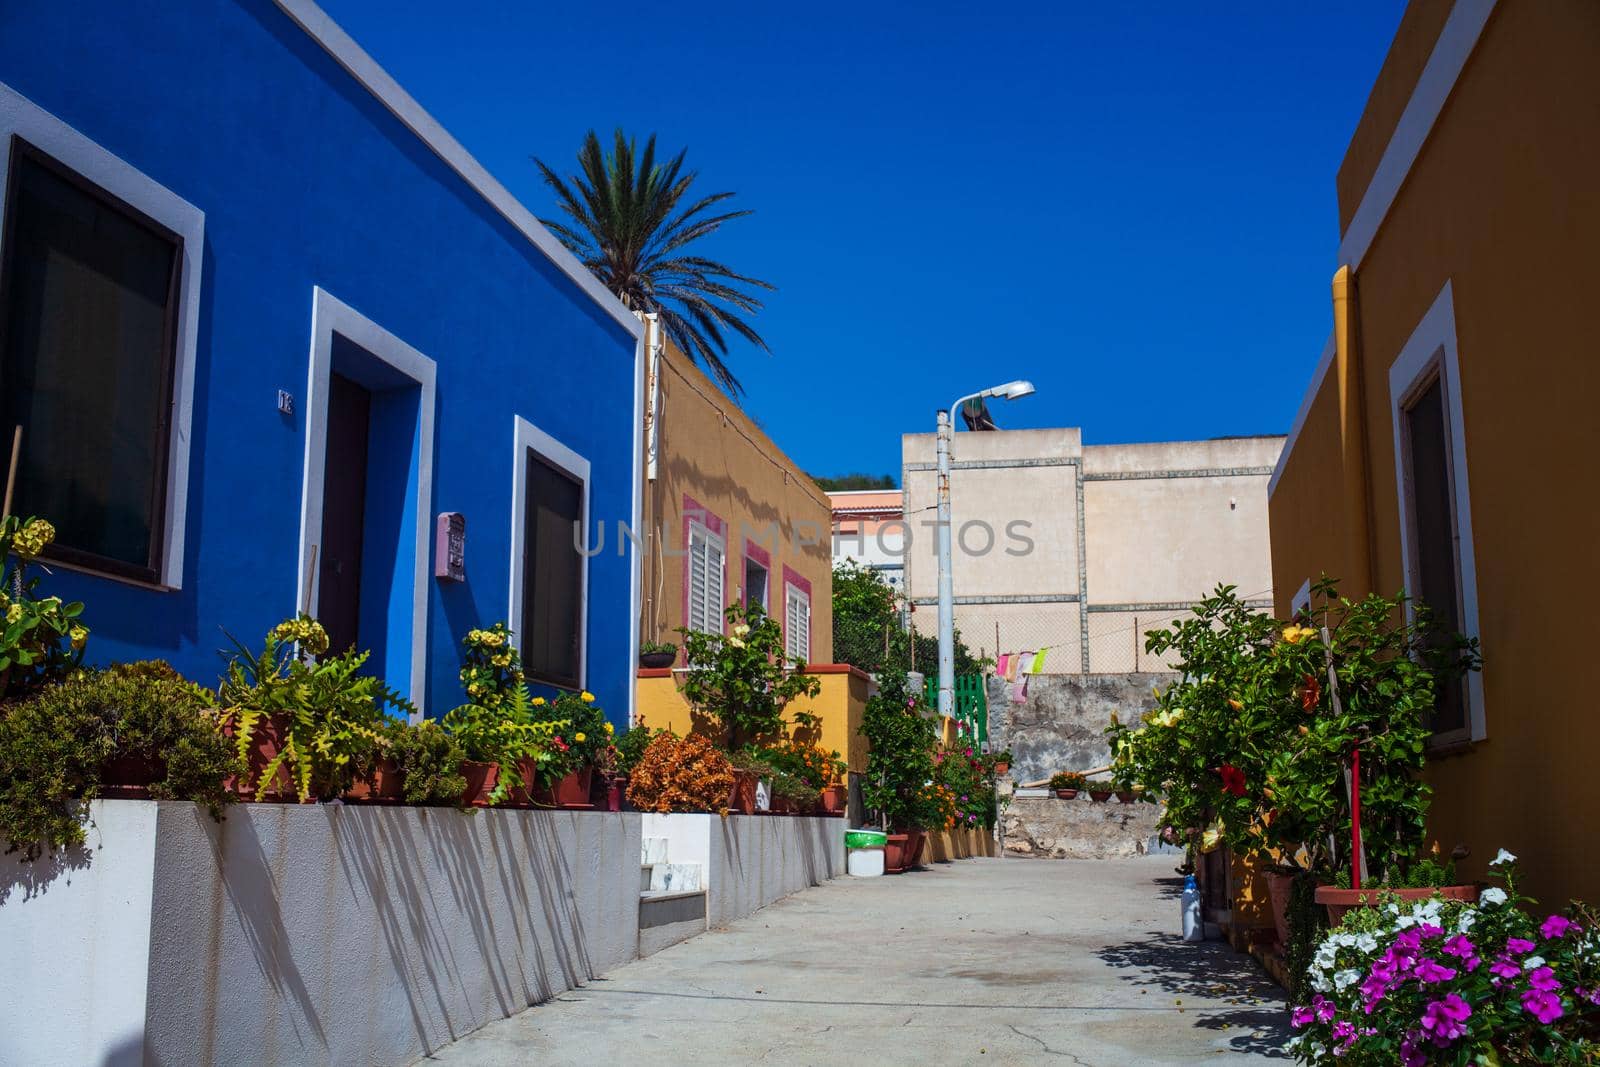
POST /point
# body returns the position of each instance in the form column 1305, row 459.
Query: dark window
column 552, row 576
column 1435, row 573
column 88, row 307
column 755, row 584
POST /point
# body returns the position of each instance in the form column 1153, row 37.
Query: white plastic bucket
column 865, row 862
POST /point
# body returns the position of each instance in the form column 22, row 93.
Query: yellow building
column 1447, row 443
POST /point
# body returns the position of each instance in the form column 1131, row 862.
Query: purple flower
column 1429, row 930
column 1445, row 1020
column 1461, row 947
column 1504, row 967
column 1430, row 970
column 1546, row 1007
column 1323, row 1007
column 1591, row 995
column 1408, row 942
column 1544, row 980
column 1301, row 1018
column 1557, row 926
column 1517, row 944
column 1411, row 1055
column 1372, row 991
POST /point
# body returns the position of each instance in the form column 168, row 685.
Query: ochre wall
column 1501, row 203
column 840, row 704
column 711, row 452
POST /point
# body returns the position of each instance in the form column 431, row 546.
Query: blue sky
column 1130, row 204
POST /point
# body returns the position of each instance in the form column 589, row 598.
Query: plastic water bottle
column 1193, row 928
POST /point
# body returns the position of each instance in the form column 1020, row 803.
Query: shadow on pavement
column 1208, row 970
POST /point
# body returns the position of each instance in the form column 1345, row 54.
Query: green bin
column 865, row 839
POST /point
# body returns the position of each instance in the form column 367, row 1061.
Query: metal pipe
column 947, row 637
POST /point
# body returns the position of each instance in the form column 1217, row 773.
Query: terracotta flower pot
column 1099, row 796
column 894, row 853
column 616, row 791
column 742, row 794
column 1126, row 796
column 834, row 798
column 1338, row 901
column 570, row 793
column 1002, row 768
column 780, row 805
column 1067, row 794
column 384, row 784
column 481, row 778
column 129, row 777
column 1279, row 885
column 265, row 741
column 915, row 839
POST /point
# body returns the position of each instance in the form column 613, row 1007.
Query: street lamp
column 947, row 624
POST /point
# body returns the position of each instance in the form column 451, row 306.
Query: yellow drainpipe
column 1352, row 435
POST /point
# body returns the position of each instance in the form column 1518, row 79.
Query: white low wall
column 341, row 935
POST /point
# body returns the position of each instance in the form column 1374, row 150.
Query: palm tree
column 628, row 225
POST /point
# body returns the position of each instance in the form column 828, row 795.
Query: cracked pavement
column 979, row 961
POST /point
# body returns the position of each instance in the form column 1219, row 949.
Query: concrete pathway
column 979, row 961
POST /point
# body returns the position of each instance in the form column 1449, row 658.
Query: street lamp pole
column 947, row 600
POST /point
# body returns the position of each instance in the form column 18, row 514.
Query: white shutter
column 705, row 581
column 797, row 624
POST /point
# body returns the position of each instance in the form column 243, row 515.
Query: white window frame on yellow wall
column 708, row 555
column 796, row 622
column 1431, row 354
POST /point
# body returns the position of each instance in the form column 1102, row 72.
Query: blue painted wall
column 307, row 180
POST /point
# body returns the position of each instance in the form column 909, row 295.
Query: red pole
column 1355, row 818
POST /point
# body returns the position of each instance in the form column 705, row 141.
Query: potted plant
column 792, row 795
column 900, row 762
column 1067, row 783
column 835, row 795
column 657, row 655
column 429, row 762
column 301, row 720
column 680, row 775
column 1100, row 792
column 579, row 733
column 750, row 765
column 743, row 679
column 504, row 737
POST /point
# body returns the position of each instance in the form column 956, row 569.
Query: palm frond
column 629, row 219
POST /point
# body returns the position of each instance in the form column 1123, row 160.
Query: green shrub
column 54, row 744
column 430, row 759
column 41, row 639
column 631, row 745
column 743, row 679
column 900, row 759
column 801, row 795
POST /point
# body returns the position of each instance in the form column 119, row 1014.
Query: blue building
column 266, row 327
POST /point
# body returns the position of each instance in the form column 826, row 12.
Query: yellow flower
column 1295, row 634
column 33, row 538
column 1210, row 840
column 586, row 696
column 741, row 630
column 579, row 737
column 1169, row 718
column 13, row 613
column 610, row 729
column 1235, row 705
column 79, row 636
column 537, row 702
column 735, row 642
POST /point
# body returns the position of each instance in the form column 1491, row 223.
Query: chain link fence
column 1115, row 642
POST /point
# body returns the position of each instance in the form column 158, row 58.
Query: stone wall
column 1050, row 828
column 1061, row 725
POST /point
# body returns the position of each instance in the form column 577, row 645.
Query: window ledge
column 1456, row 747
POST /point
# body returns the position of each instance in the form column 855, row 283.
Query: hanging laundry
column 1038, row 663
column 1001, row 664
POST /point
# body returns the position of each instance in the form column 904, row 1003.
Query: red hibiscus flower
column 1232, row 779
column 1311, row 694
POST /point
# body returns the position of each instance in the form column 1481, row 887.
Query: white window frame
column 1302, row 599
column 22, row 118
column 715, row 622
column 1431, row 354
column 329, row 316
column 526, row 437
column 796, row 639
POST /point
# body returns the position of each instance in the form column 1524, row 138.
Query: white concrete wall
column 317, row 934
column 75, row 931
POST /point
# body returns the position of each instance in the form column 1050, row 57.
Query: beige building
column 1081, row 549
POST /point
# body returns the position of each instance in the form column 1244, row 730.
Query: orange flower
column 1311, row 694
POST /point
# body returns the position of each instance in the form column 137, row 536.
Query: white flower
column 1367, row 943
column 1464, row 923
column 1320, row 983
column 1502, row 857
column 1405, row 921
column 1531, row 962
column 1492, row 895
column 1346, row 978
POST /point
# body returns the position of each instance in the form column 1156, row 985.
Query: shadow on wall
column 34, row 877
column 462, row 918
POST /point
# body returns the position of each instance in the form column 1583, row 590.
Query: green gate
column 972, row 704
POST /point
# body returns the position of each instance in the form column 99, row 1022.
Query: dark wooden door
column 344, row 497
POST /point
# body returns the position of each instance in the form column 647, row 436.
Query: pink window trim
column 694, row 512
column 764, row 559
column 790, row 577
